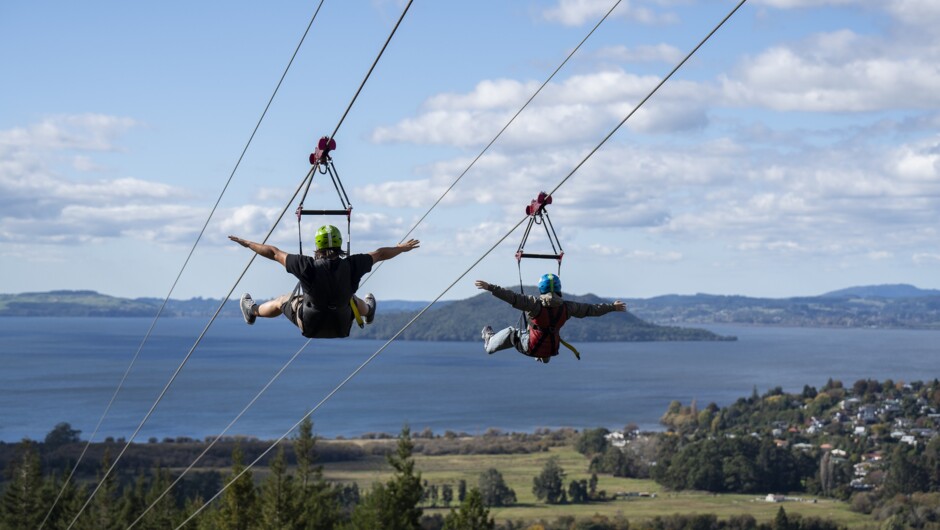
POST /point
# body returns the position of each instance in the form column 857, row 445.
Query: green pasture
column 519, row 469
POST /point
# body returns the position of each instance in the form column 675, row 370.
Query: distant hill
column 73, row 304
column 883, row 306
column 898, row 290
column 921, row 311
column 459, row 320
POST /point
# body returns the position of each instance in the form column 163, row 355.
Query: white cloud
column 842, row 190
column 609, row 251
column 791, row 4
column 571, row 111
column 839, row 71
column 578, row 12
column 926, row 258
column 41, row 204
column 922, row 13
column 645, row 53
column 878, row 255
column 92, row 132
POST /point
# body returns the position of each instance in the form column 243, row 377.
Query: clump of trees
column 724, row 464
column 493, row 489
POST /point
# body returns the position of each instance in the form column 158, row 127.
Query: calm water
column 65, row 369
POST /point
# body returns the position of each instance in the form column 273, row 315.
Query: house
column 616, row 439
column 860, row 430
column 771, row 497
column 867, row 414
column 909, row 439
column 849, row 404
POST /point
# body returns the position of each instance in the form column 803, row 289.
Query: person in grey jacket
column 546, row 315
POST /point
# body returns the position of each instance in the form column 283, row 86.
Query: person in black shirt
column 329, row 280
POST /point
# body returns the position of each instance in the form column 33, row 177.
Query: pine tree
column 70, row 501
column 472, row 514
column 394, row 505
column 22, row 503
column 447, row 494
column 826, row 474
column 319, row 503
column 238, row 507
column 781, row 522
column 461, row 490
column 104, row 511
column 278, row 496
column 305, row 450
column 164, row 513
column 133, row 502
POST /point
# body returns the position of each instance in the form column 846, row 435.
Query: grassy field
column 518, row 471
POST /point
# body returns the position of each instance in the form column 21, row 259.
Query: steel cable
column 225, row 299
column 449, row 287
column 501, row 131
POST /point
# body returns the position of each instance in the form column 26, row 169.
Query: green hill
column 72, row 304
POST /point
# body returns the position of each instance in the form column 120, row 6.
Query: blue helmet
column 550, row 283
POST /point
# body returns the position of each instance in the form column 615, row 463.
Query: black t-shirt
column 303, row 268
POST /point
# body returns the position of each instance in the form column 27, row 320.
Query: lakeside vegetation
column 859, row 456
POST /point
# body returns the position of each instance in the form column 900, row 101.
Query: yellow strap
column 355, row 308
column 570, row 347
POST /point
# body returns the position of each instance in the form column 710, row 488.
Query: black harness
column 326, row 312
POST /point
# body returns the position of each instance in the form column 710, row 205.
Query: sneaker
column 370, row 303
column 247, row 305
column 486, row 333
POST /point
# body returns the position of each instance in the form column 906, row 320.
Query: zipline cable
column 183, row 268
column 220, row 435
column 175, row 374
column 506, row 126
column 348, row 378
column 500, row 133
column 655, row 89
column 449, row 287
column 369, row 73
column 226, row 297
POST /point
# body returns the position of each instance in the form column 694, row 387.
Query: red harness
column 544, row 339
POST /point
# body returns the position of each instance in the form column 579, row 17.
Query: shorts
column 322, row 325
column 290, row 306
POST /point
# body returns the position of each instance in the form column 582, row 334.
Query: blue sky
column 797, row 152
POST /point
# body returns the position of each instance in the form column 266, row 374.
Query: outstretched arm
column 267, row 251
column 384, row 253
column 579, row 310
column 519, row 301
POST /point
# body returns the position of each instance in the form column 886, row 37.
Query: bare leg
column 271, row 308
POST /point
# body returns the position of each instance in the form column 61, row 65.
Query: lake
column 66, row 369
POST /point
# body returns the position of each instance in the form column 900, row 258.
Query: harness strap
column 553, row 317
column 355, row 310
column 570, row 347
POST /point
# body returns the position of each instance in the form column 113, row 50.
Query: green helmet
column 328, row 236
